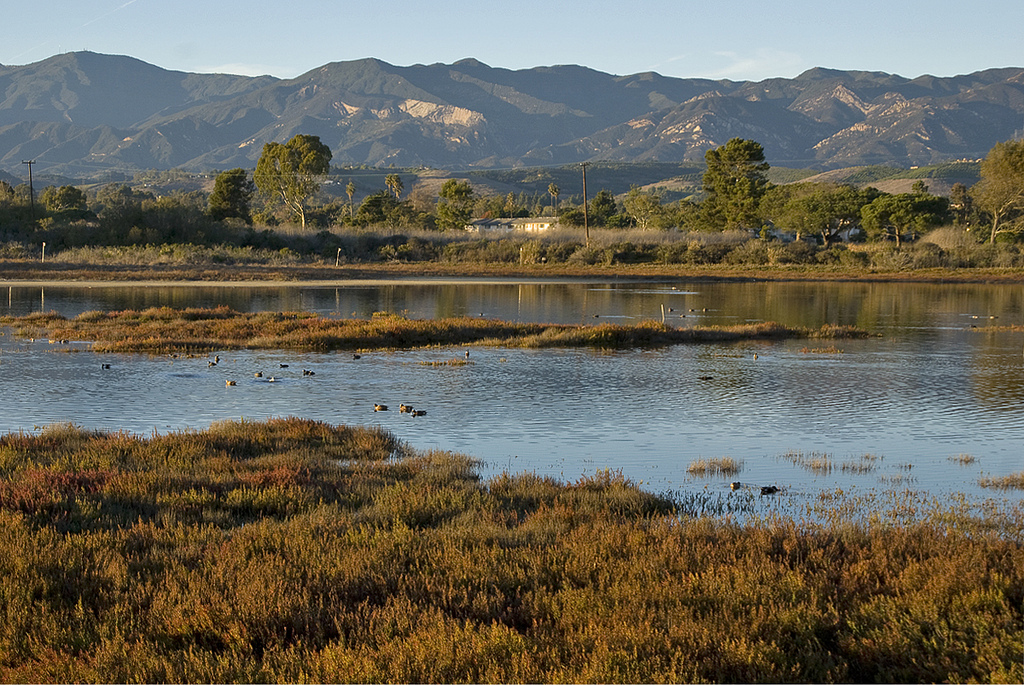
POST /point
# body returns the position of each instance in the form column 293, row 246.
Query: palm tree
column 351, row 190
column 394, row 184
column 553, row 191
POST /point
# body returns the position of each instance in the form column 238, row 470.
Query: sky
column 736, row 40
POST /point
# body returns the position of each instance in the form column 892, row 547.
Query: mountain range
column 86, row 114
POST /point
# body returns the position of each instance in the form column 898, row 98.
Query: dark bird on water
column 769, row 490
column 380, row 407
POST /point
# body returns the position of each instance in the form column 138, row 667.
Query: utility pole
column 31, row 192
column 586, row 222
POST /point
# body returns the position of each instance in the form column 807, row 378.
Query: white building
column 533, row 224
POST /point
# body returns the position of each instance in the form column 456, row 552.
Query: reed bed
column 865, row 464
column 831, row 349
column 195, row 330
column 447, row 362
column 1014, row 481
column 295, row 551
column 815, row 462
column 715, row 466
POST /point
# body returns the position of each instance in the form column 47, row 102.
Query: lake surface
column 897, row 411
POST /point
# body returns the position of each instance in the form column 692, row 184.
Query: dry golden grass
column 716, row 466
column 831, row 349
column 1014, row 481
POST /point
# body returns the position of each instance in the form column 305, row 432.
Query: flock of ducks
column 402, row 408
column 259, row 374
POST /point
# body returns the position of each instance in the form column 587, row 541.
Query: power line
column 586, row 223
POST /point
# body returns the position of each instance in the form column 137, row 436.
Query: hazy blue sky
column 736, row 40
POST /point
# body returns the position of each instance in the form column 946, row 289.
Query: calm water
column 937, row 384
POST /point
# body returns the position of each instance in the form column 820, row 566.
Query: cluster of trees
column 736, row 194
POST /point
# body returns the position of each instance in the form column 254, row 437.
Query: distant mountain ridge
column 84, row 113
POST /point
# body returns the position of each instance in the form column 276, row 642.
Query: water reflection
column 874, row 306
column 929, row 389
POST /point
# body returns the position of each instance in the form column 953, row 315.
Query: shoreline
column 33, row 274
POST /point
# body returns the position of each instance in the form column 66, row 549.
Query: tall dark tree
column 733, row 184
column 292, row 172
column 455, row 206
column 231, row 196
column 602, row 208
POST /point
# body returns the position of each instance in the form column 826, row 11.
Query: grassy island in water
column 166, row 330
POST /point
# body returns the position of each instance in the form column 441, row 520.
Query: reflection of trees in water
column 997, row 371
column 904, row 309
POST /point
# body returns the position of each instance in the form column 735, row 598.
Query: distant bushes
column 208, row 242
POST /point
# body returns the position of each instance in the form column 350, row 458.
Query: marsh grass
column 865, row 464
column 448, row 362
column 192, row 331
column 963, row 459
column 815, row 462
column 715, row 466
column 831, row 349
column 1014, row 481
column 291, row 550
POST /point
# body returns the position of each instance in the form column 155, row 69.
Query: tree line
column 286, row 187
